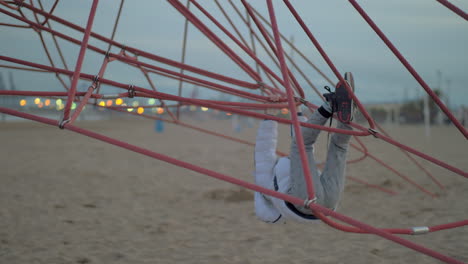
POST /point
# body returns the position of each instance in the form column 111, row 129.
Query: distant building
column 7, row 100
column 384, row 112
column 462, row 115
column 2, row 83
column 12, row 82
column 2, row 88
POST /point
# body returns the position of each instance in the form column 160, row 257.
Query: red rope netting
column 285, row 88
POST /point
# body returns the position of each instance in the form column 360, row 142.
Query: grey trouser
column 329, row 184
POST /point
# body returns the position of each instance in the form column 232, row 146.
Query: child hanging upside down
column 286, row 175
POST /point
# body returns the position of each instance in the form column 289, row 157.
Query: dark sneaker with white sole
column 341, row 100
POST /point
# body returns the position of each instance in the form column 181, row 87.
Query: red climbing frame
column 290, row 96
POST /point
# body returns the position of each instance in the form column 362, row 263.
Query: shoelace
column 333, row 107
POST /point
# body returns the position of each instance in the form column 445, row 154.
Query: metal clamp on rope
column 302, row 100
column 373, row 132
column 95, row 82
column 20, row 3
column 308, row 202
column 131, row 91
column 419, row 230
column 261, row 85
column 63, row 123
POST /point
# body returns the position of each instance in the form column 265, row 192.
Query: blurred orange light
column 140, row 110
column 109, row 103
column 23, row 102
column 228, row 114
column 160, row 110
column 118, row 101
column 47, row 102
column 284, row 111
column 40, row 105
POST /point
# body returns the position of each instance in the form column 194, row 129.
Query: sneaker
column 341, row 101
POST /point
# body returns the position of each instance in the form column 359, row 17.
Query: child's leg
column 298, row 185
column 265, row 159
column 333, row 176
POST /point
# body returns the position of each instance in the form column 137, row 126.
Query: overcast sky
column 429, row 35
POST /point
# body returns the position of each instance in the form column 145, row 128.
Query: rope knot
column 373, row 132
column 95, row 82
column 131, row 91
column 308, row 202
column 63, row 123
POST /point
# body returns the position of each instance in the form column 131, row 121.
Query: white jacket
column 273, row 173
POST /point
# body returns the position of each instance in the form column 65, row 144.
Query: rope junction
column 285, row 88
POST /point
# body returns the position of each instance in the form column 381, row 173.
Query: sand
column 67, row 198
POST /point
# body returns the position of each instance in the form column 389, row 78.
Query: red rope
column 242, row 112
column 423, row 155
column 159, row 95
column 206, row 85
column 254, row 36
column 182, row 59
column 253, row 187
column 292, row 104
column 90, row 90
column 448, row 226
column 120, row 109
column 50, row 12
column 304, row 76
column 22, row 68
column 217, row 41
column 372, row 185
column 243, row 47
column 52, row 94
column 127, row 48
column 363, row 149
column 385, row 165
column 49, row 57
column 406, row 178
column 281, row 120
column 186, row 125
column 9, row 6
column 265, row 35
column 414, row 151
column 79, row 61
column 297, row 50
column 195, row 79
column 14, row 25
column 414, row 161
column 361, row 228
column 330, row 63
column 319, row 211
column 135, row 62
column 454, row 8
column 409, row 68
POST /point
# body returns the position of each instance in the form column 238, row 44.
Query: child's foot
column 341, row 101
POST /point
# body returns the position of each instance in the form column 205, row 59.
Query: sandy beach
column 67, row 198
